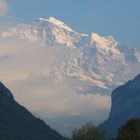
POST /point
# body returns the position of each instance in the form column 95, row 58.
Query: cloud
column 27, row 70
column 3, row 7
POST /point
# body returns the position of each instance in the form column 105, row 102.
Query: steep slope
column 125, row 105
column 16, row 123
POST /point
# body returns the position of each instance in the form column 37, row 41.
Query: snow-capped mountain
column 68, row 67
column 94, row 58
column 94, row 61
column 49, row 31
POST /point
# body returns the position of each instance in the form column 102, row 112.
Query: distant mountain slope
column 16, row 123
column 125, row 105
column 94, row 58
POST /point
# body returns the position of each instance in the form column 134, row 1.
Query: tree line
column 129, row 131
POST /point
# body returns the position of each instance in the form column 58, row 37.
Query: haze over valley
column 64, row 61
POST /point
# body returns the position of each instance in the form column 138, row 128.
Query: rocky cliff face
column 125, row 106
column 17, row 123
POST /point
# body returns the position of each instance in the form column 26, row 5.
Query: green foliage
column 130, row 131
column 89, row 132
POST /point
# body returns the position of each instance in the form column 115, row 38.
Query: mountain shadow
column 17, row 123
column 125, row 106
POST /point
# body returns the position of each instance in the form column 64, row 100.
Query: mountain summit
column 55, row 22
column 50, row 32
column 59, row 24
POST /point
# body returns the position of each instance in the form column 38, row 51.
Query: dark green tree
column 89, row 132
column 130, row 131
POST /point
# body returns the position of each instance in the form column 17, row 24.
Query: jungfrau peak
column 94, row 59
column 60, row 24
column 49, row 31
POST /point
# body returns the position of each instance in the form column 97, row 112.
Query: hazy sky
column 120, row 18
